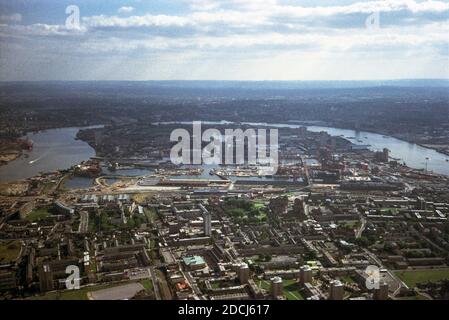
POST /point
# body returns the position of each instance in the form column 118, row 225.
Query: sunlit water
column 58, row 149
column 412, row 154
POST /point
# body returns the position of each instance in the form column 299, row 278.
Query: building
column 7, row 280
column 336, row 290
column 382, row 156
column 243, row 273
column 305, row 274
column 381, row 293
column 276, row 288
column 63, row 209
column 207, row 220
column 422, row 205
column 194, row 262
column 45, row 278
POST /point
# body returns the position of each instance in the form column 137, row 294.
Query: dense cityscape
column 224, row 158
column 343, row 218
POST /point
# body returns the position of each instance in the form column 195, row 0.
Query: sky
column 223, row 40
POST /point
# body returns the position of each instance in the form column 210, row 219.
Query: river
column 412, row 154
column 58, row 149
column 53, row 149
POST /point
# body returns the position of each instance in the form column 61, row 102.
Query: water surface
column 53, row 150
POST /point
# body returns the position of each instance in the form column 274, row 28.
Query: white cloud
column 15, row 17
column 136, row 21
column 245, row 31
column 125, row 9
column 203, row 5
column 270, row 13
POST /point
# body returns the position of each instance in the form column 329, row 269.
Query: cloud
column 242, row 31
column 203, row 5
column 103, row 21
column 15, row 17
column 125, row 9
column 227, row 15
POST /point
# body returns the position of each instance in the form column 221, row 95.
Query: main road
column 157, row 292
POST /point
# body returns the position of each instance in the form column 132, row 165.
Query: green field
column 151, row 215
column 291, row 289
column 351, row 224
column 80, row 294
column 244, row 211
column 389, row 211
column 147, row 284
column 347, row 279
column 9, row 250
column 259, row 205
column 38, row 214
column 412, row 277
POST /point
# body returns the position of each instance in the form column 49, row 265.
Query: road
column 84, row 222
column 391, row 274
column 192, row 283
column 157, row 292
column 362, row 227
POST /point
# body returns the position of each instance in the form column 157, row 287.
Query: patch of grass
column 350, row 224
column 245, row 211
column 151, row 215
column 416, row 297
column 147, row 284
column 347, row 279
column 80, row 294
column 9, row 250
column 413, row 277
column 259, row 205
column 264, row 284
column 93, row 264
column 291, row 289
column 101, row 222
column 387, row 211
column 38, row 214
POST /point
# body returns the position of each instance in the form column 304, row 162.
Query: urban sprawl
column 337, row 221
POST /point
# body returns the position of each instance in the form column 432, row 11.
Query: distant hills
column 252, row 85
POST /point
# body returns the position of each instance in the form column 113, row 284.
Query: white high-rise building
column 207, row 221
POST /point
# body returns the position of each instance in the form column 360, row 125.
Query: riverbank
column 53, row 150
column 15, row 147
column 6, row 157
column 395, row 135
column 412, row 154
column 59, row 149
column 443, row 149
